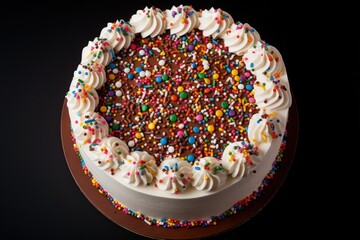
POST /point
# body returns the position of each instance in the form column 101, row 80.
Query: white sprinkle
column 147, row 73
column 126, row 70
column 118, row 93
column 115, row 70
column 171, row 149
column 206, row 67
column 156, row 49
column 142, row 74
column 131, row 143
column 241, row 86
column 141, row 52
column 232, row 56
column 181, row 126
column 209, row 46
column 162, row 62
column 118, row 84
column 148, row 222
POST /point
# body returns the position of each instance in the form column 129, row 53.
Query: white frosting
column 234, row 159
column 149, row 22
column 264, row 59
column 174, row 175
column 97, row 51
column 90, row 128
column 272, row 94
column 214, row 22
column 119, row 35
column 139, row 168
column 93, row 75
column 208, row 174
column 112, row 152
column 82, row 99
column 240, row 37
column 181, row 19
column 264, row 128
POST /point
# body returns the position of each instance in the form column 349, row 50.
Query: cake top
column 179, row 96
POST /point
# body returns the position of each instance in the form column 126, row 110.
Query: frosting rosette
column 97, row 51
column 181, row 19
column 264, row 59
column 174, row 175
column 92, row 75
column 149, row 22
column 90, row 128
column 119, row 34
column 272, row 94
column 82, row 99
column 139, row 168
column 112, row 153
column 264, row 127
column 240, row 37
column 238, row 157
column 214, row 22
column 208, row 175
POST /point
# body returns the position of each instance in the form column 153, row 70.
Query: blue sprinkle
column 251, row 65
column 197, row 168
column 112, row 65
column 158, row 79
column 190, row 158
column 130, row 76
column 249, row 87
column 138, row 69
column 196, row 129
column 163, row 141
column 191, row 140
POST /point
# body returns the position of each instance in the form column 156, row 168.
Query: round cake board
column 140, row 227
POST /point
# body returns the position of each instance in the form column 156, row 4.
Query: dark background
column 40, row 49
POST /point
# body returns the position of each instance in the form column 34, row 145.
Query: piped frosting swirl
column 97, row 51
column 119, row 34
column 149, row 22
column 215, row 22
column 174, row 175
column 240, row 37
column 181, row 19
column 209, row 174
column 139, row 168
column 92, row 75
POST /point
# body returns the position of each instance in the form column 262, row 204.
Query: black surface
column 41, row 47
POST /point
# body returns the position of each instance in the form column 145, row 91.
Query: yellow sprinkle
column 264, row 137
column 237, row 78
column 211, row 128
column 241, row 128
column 207, row 80
column 219, row 113
column 244, row 106
column 272, row 114
column 138, row 135
column 234, row 72
column 180, row 89
column 215, row 76
column 151, row 126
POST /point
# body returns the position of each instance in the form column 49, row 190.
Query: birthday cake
column 179, row 115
